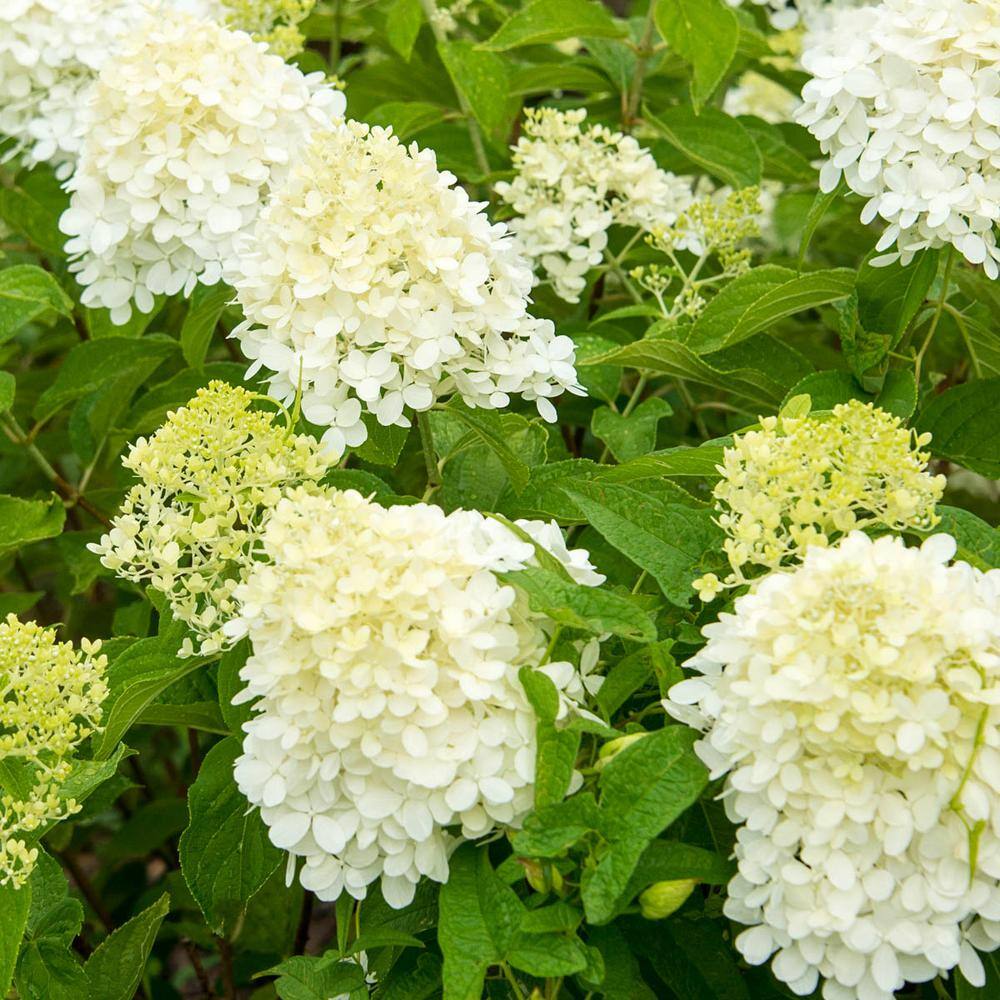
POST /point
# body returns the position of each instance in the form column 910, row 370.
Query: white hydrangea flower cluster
column 208, row 480
column 756, row 94
column 385, row 671
column 854, row 703
column 373, row 283
column 905, row 100
column 573, row 183
column 50, row 53
column 786, row 14
column 186, row 130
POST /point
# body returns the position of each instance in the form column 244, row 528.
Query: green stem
column 335, row 35
column 430, row 11
column 430, row 458
column 643, row 51
column 514, row 984
column 949, row 263
column 616, row 269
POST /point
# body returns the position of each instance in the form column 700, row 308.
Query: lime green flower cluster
column 806, row 480
column 273, row 21
column 209, row 478
column 52, row 695
column 718, row 226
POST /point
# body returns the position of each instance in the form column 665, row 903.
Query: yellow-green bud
column 664, row 898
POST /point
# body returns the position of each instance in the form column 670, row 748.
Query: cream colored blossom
column 572, row 183
column 374, row 283
column 208, row 480
column 50, row 53
column 853, row 702
column 51, row 702
column 759, row 95
column 389, row 718
column 187, row 129
column 905, row 102
column 274, row 22
column 804, row 481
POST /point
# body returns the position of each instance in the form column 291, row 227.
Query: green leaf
column 668, row 540
column 116, row 966
column 545, row 21
column 632, row 672
column 383, row 444
column 31, row 219
column 208, row 303
column 8, row 386
column 712, row 140
column 230, row 684
column 965, row 424
column 663, row 356
column 828, row 389
column 481, row 78
column 225, row 853
column 24, row 521
column 422, row 982
column 555, row 755
column 135, row 678
column 978, row 542
column 760, row 298
column 668, row 860
column 26, row 292
column 649, row 783
column 623, row 978
column 889, row 297
column 822, row 203
column 488, row 427
column 479, row 919
column 702, row 461
column 94, row 363
column 634, row 435
column 13, row 920
column 403, row 19
column 550, row 831
column 588, row 609
column 704, row 33
column 547, row 955
column 304, row 977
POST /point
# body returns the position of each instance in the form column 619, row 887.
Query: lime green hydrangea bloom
column 52, row 695
column 208, row 480
column 807, row 480
column 273, row 21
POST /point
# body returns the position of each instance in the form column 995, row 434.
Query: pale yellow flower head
column 52, row 695
column 806, row 480
column 273, row 21
column 209, row 478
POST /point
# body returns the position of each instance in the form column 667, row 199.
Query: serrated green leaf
column 543, row 21
column 978, row 542
column 965, row 424
column 14, row 905
column 827, row 389
column 589, row 609
column 306, row 977
column 551, row 830
column 712, row 140
column 225, row 853
column 139, row 675
column 705, row 34
column 24, row 521
column 488, row 427
column 664, row 356
column 208, row 303
column 116, row 966
column 634, row 435
column 556, row 749
column 761, row 297
column 93, row 364
column 667, row 540
column 27, row 292
column 481, row 78
column 403, row 19
column 479, row 920
column 383, row 444
column 649, row 783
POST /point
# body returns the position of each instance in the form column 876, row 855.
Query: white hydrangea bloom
column 50, row 53
column 573, row 183
column 186, row 130
column 385, row 672
column 854, row 703
column 905, row 100
column 785, row 14
column 756, row 94
column 373, row 281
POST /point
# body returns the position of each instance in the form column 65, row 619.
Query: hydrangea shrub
column 499, row 500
